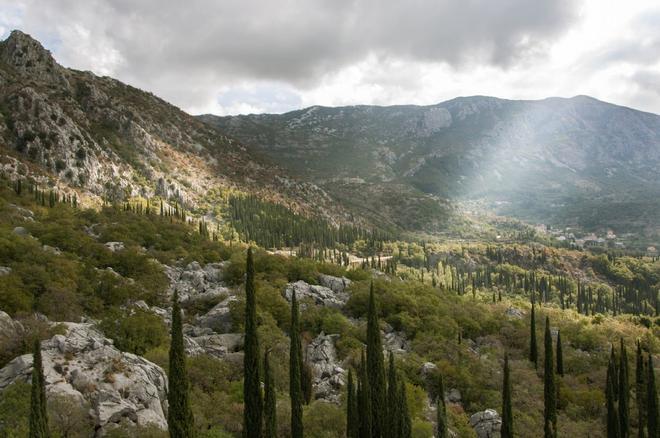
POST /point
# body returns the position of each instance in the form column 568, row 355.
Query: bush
column 15, row 410
column 135, row 332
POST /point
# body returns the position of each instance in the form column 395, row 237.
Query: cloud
column 188, row 51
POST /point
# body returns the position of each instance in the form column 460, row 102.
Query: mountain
column 104, row 139
column 577, row 161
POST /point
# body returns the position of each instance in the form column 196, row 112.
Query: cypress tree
column 352, row 418
column 295, row 371
column 640, row 391
column 251, row 384
column 533, row 347
column 38, row 413
column 549, row 389
column 560, row 356
column 364, row 400
column 270, row 401
column 376, row 369
column 613, row 426
column 306, row 381
column 393, row 408
column 507, row 414
column 615, row 374
column 179, row 414
column 406, row 422
column 652, row 403
column 624, row 394
column 442, row 410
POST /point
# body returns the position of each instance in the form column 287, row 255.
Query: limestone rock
column 453, row 396
column 328, row 375
column 219, row 317
column 194, row 282
column 9, row 329
column 114, row 246
column 395, row 341
column 486, row 424
column 321, row 295
column 336, row 284
column 21, row 231
column 84, row 365
column 514, row 313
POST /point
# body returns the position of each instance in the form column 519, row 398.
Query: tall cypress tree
column 295, row 372
column 38, row 412
column 624, row 394
column 179, row 413
column 613, row 425
column 364, row 400
column 640, row 391
column 393, row 407
column 533, row 347
column 253, row 404
column 442, row 410
column 352, row 416
column 376, row 369
column 270, row 400
column 560, row 356
column 507, row 413
column 406, row 422
column 652, row 403
column 549, row 389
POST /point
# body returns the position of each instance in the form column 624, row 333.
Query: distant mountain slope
column 575, row 161
column 107, row 139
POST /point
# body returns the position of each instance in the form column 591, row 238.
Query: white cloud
column 252, row 56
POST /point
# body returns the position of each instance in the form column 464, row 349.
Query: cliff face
column 107, row 139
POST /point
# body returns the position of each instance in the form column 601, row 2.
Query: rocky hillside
column 103, row 138
column 576, row 161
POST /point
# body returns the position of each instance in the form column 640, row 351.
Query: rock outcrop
column 336, row 284
column 219, row 317
column 320, row 295
column 327, row 373
column 194, row 282
column 84, row 366
column 486, row 424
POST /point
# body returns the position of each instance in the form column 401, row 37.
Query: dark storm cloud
column 297, row 41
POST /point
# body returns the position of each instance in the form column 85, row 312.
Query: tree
column 549, row 389
column 376, row 369
column 352, row 418
column 613, row 425
column 393, row 406
column 624, row 394
column 406, row 422
column 295, row 372
column 270, row 401
column 179, row 414
column 652, row 402
column 533, row 348
column 442, row 410
column 251, row 383
column 640, row 391
column 560, row 356
column 364, row 400
column 507, row 414
column 38, row 415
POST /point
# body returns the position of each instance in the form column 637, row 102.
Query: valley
column 163, row 274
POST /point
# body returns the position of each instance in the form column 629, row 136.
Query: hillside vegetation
column 463, row 332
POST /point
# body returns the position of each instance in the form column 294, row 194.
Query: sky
column 254, row 56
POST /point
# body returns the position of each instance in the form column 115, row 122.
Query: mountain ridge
column 75, row 131
column 529, row 154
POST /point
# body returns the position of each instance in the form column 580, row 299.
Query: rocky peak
column 29, row 58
